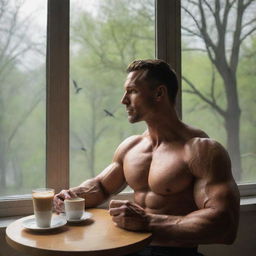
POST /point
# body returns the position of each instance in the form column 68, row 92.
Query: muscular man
column 184, row 192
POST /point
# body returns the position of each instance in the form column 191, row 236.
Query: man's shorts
column 166, row 251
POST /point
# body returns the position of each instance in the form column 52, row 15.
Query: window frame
column 57, row 109
column 168, row 48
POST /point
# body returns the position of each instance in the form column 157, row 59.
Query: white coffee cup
column 42, row 204
column 74, row 208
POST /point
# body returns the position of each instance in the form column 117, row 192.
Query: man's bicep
column 221, row 196
column 112, row 178
column 214, row 184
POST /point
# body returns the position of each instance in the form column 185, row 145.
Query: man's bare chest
column 162, row 171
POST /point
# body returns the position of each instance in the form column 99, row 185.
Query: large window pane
column 22, row 95
column 219, row 57
column 105, row 37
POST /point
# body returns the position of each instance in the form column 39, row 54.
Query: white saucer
column 30, row 223
column 86, row 215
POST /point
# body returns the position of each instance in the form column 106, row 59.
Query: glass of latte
column 42, row 203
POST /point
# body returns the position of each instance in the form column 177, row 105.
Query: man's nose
column 124, row 99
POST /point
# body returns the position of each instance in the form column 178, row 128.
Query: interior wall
column 245, row 243
column 5, row 249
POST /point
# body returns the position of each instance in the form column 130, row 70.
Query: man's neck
column 164, row 127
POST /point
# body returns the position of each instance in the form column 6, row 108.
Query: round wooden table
column 95, row 237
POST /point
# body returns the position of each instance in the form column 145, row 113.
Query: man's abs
column 178, row 204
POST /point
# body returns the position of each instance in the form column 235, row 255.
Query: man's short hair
column 157, row 72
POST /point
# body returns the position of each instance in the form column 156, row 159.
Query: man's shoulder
column 127, row 144
column 194, row 132
column 131, row 141
column 203, row 154
column 202, row 145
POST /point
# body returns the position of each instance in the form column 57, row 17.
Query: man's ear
column 161, row 91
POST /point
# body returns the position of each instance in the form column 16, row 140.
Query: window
column 97, row 71
column 23, row 94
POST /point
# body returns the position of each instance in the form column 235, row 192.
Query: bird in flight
column 108, row 113
column 77, row 89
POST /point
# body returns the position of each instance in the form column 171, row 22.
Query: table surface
column 95, row 237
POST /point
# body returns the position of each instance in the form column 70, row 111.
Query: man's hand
column 58, row 200
column 128, row 215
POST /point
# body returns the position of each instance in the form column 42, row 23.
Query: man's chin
column 132, row 119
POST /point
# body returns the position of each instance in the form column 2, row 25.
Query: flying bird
column 77, row 89
column 108, row 113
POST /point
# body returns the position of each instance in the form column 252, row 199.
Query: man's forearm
column 92, row 191
column 200, row 227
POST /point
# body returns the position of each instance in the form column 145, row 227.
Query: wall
column 245, row 244
column 5, row 249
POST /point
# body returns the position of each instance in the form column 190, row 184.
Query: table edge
column 110, row 252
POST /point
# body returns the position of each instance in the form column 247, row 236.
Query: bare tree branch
column 248, row 3
column 227, row 9
column 13, row 58
column 211, row 48
column 204, row 98
column 75, row 136
column 10, row 33
column 192, row 2
column 119, row 47
column 193, row 49
column 3, row 7
column 217, row 15
column 232, row 2
column 191, row 32
column 192, row 16
column 236, row 37
column 23, row 119
column 247, row 34
column 212, row 94
column 209, row 6
column 248, row 23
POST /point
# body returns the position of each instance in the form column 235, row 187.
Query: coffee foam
column 75, row 199
column 42, row 194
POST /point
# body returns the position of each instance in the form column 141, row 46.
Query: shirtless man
column 184, row 192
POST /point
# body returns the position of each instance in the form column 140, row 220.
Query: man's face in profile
column 138, row 97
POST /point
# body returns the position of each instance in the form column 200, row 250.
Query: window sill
column 246, row 204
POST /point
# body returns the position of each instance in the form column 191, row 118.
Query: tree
column 15, row 42
column 214, row 23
